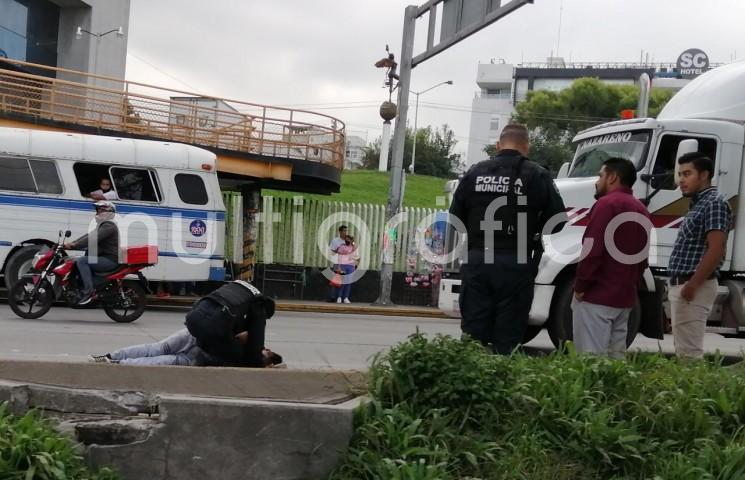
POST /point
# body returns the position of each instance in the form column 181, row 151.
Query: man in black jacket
column 102, row 248
column 504, row 202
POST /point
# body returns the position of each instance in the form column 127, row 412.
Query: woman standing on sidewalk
column 347, row 257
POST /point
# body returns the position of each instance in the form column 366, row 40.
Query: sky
column 319, row 55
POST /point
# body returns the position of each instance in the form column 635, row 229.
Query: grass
column 443, row 408
column 368, row 186
column 31, row 449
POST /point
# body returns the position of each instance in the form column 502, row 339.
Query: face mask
column 104, row 216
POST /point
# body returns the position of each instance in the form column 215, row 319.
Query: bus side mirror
column 68, row 234
column 564, row 170
column 686, row 146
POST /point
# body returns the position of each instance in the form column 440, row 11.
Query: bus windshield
column 592, row 152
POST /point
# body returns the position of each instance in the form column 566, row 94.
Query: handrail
column 270, row 131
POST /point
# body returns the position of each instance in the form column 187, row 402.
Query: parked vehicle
column 54, row 277
column 707, row 115
column 167, row 195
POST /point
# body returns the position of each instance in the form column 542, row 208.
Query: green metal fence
column 301, row 230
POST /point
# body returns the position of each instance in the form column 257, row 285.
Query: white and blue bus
column 167, row 194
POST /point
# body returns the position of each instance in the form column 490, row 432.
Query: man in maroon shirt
column 615, row 249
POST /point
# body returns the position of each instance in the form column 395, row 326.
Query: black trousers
column 495, row 300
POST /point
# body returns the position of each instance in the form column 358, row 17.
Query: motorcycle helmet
column 105, row 206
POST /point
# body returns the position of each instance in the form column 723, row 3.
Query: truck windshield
column 592, row 152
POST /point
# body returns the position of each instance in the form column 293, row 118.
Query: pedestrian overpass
column 260, row 145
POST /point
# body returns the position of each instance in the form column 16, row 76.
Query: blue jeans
column 88, row 264
column 346, row 287
column 178, row 349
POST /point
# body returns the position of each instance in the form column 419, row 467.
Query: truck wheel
column 19, row 263
column 635, row 318
column 560, row 324
column 531, row 332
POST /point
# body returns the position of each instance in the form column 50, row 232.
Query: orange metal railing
column 117, row 105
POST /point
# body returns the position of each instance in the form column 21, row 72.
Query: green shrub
column 446, row 408
column 31, row 449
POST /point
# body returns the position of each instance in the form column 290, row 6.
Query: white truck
column 707, row 115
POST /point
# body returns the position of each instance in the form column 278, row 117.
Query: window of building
column 191, row 189
column 13, row 27
column 494, row 123
column 29, row 31
column 24, row 175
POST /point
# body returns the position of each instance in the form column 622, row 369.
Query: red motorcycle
column 53, row 277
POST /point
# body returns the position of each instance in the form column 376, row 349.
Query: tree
column 371, row 155
column 554, row 118
column 546, row 149
column 434, row 152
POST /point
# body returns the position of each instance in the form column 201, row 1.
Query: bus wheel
column 19, row 263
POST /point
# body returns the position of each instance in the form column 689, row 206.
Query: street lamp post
column 79, row 34
column 416, row 116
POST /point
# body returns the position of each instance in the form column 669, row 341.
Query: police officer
column 504, row 203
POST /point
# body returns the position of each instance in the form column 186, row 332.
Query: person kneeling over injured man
column 225, row 328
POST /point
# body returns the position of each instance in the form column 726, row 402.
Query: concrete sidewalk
column 320, row 307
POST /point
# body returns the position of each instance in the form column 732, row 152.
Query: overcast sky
column 319, row 54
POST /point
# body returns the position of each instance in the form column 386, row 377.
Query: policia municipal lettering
column 504, row 203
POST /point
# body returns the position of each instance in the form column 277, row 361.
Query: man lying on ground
column 225, row 328
column 181, row 348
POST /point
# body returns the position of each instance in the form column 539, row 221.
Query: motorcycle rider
column 102, row 248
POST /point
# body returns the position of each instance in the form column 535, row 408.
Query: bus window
column 46, row 176
column 137, row 184
column 191, row 189
column 16, row 174
column 89, row 176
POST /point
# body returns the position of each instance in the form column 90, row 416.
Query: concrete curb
column 248, row 439
column 320, row 307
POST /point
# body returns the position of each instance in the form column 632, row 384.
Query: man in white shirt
column 104, row 192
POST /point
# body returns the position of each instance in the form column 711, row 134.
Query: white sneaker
column 338, row 300
column 346, row 300
column 101, row 359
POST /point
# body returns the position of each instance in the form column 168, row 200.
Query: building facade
column 84, row 35
column 355, row 153
column 503, row 85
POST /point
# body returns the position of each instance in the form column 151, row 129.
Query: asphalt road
column 305, row 340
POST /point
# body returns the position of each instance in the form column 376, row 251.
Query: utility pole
column 454, row 28
column 399, row 136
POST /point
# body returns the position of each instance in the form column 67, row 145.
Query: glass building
column 29, row 30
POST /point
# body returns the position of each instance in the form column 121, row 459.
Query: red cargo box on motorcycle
column 139, row 255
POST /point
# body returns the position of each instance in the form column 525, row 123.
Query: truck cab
column 707, row 115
